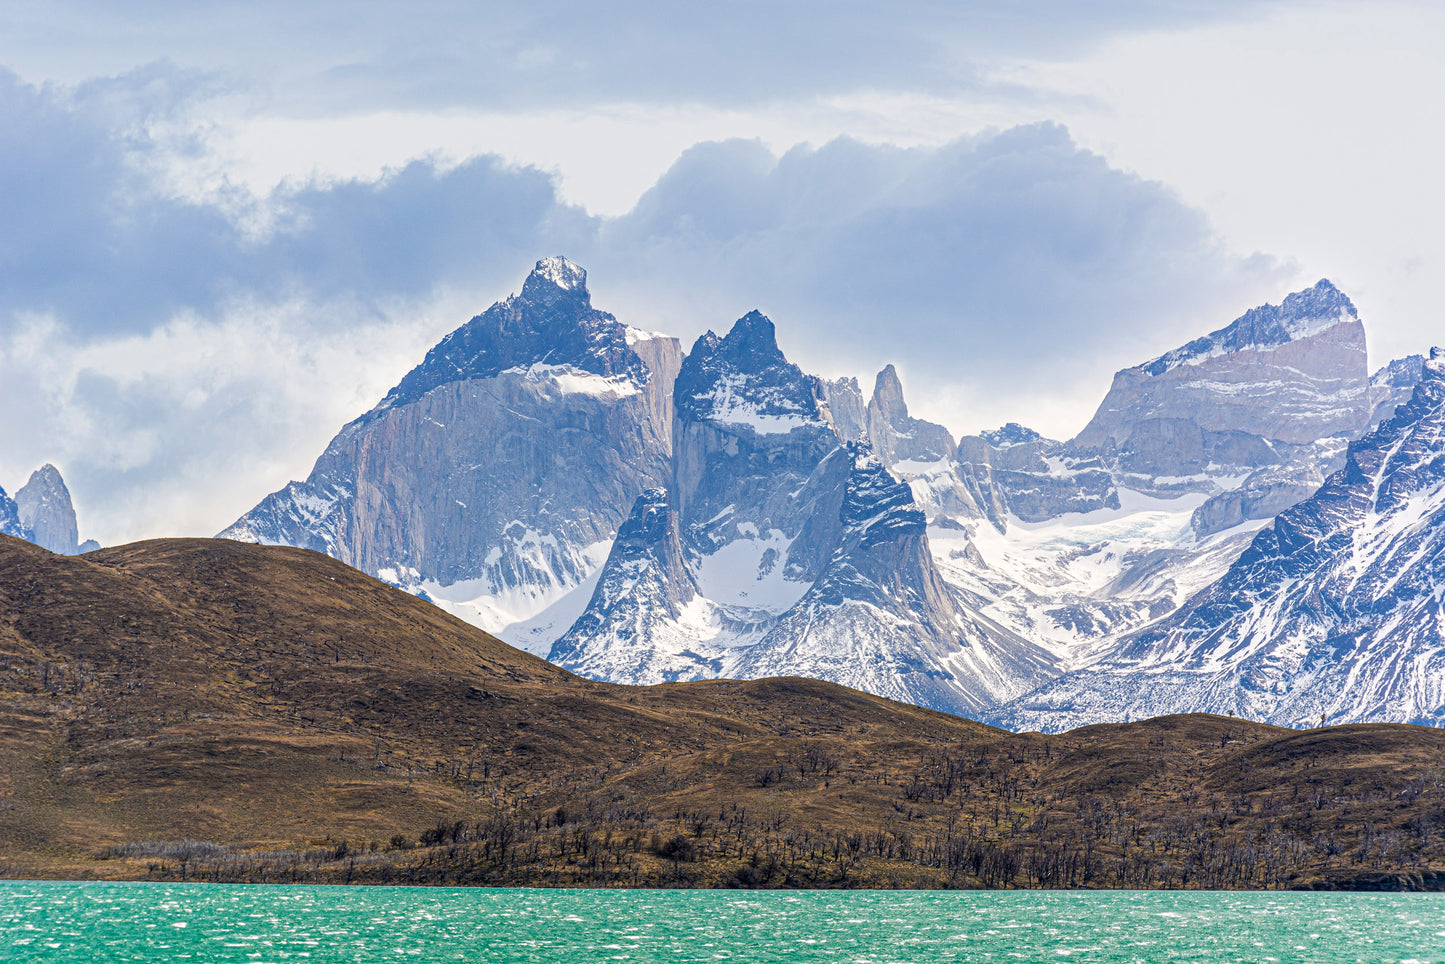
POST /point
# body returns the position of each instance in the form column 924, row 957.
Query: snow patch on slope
column 748, row 572
column 531, row 615
column 733, row 401
column 1075, row 583
column 570, row 380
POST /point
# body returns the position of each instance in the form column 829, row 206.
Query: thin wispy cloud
column 432, row 55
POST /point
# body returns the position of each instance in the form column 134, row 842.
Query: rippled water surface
column 200, row 922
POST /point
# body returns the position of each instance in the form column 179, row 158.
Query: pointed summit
column 744, row 379
column 630, row 630
column 898, row 436
column 1293, row 373
column 46, row 512
column 555, row 278
column 750, row 430
column 1322, row 301
column 753, row 342
column 1301, row 315
column 495, row 475
column 888, row 394
column 551, row 322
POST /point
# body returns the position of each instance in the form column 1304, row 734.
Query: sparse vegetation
column 964, row 820
column 193, row 710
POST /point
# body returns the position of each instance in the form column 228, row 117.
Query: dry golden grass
column 279, row 703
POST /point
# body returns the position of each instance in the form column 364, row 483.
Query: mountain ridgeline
column 495, row 475
column 1333, row 612
column 590, row 493
column 204, row 710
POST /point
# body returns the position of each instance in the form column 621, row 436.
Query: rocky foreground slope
column 208, row 710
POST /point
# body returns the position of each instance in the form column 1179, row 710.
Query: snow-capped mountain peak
column 743, row 380
column 494, row 476
column 1302, row 314
column 557, row 272
column 580, row 488
column 551, row 322
column 1334, row 611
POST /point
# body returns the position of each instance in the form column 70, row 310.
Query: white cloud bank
column 178, row 365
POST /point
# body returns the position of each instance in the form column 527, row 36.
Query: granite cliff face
column 494, row 476
column 784, row 547
column 750, row 430
column 45, row 512
column 751, row 504
column 846, row 407
column 582, row 488
column 1291, row 374
column 1333, row 613
column 41, row 512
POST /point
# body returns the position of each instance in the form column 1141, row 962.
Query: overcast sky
column 229, row 228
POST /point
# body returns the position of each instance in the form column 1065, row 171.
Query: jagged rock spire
column 45, row 510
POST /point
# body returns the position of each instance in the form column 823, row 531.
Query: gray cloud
column 89, row 238
column 992, row 269
column 177, row 367
column 328, row 55
column 173, row 363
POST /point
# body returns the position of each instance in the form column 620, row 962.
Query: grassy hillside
column 213, row 710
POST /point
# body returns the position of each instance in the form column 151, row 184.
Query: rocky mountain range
column 781, row 548
column 588, row 492
column 41, row 512
column 1333, row 614
column 494, row 476
column 1187, row 455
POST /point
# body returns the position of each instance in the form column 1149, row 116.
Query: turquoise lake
column 203, row 922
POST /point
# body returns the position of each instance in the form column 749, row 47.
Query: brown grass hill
column 206, row 709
